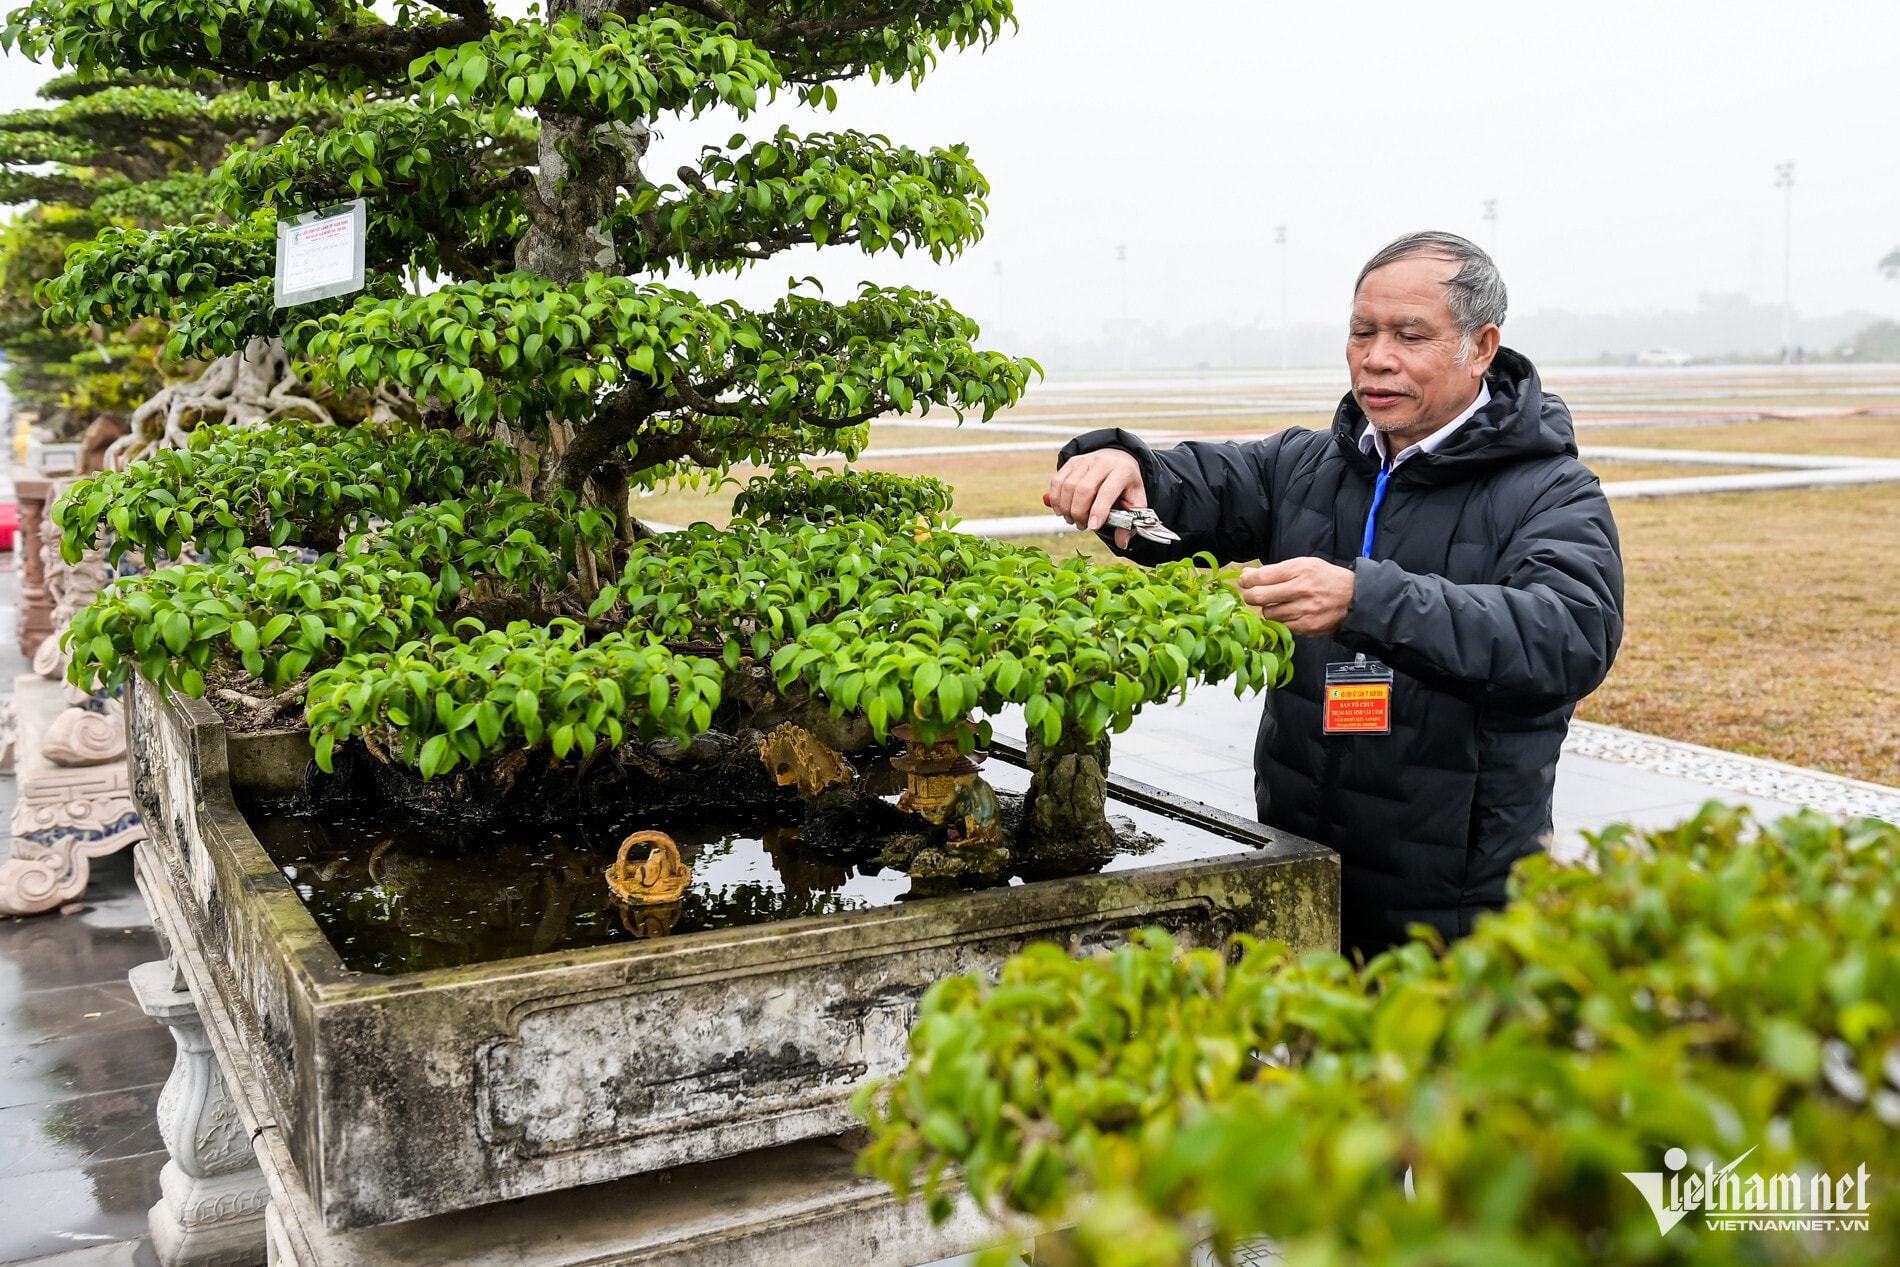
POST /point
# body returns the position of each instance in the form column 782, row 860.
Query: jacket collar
column 1520, row 423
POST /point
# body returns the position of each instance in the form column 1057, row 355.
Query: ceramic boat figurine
column 793, row 755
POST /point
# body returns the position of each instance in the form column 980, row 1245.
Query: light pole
column 1784, row 181
column 1279, row 236
column 1491, row 222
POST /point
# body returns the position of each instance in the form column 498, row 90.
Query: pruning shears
column 1143, row 523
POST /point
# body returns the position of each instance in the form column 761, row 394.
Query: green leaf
column 175, row 628
column 274, row 628
column 436, row 756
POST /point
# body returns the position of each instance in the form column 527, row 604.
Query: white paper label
column 320, row 254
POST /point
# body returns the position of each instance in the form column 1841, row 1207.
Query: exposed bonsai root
column 751, row 702
column 257, row 385
column 265, row 711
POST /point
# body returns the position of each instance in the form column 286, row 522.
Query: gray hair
column 1475, row 292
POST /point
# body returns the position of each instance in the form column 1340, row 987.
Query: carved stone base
column 212, row 1222
column 48, row 870
column 65, row 816
column 211, row 1213
column 87, row 734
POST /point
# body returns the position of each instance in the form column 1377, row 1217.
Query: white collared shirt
column 1371, row 439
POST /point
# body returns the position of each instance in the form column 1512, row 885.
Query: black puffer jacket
column 1495, row 593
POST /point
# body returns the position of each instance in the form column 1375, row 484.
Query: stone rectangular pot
column 407, row 1096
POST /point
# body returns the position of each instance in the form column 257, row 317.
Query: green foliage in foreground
column 447, row 702
column 246, row 621
column 927, row 630
column 249, row 619
column 1717, row 987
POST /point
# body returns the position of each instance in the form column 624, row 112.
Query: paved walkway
column 1204, row 749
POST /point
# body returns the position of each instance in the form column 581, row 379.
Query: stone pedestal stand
column 32, row 491
column 212, row 1210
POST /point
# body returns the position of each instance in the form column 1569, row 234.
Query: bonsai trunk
column 1065, row 811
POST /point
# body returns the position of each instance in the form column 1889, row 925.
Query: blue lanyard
column 1372, row 516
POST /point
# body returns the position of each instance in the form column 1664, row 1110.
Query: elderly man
column 1450, row 572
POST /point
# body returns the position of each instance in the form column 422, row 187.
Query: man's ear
column 1484, row 350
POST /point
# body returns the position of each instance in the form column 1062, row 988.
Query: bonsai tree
column 476, row 593
column 1719, row 992
column 126, row 150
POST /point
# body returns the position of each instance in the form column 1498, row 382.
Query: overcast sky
column 1631, row 148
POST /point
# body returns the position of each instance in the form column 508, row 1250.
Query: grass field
column 1764, row 623
column 1858, row 437
column 990, row 485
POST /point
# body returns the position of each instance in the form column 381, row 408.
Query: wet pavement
column 80, row 1071
column 80, row 1065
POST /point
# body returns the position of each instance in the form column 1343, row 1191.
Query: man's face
column 1402, row 349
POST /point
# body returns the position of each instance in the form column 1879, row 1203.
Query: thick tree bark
column 1065, row 813
column 602, row 441
column 583, row 166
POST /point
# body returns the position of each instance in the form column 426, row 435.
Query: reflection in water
column 649, row 920
column 393, row 895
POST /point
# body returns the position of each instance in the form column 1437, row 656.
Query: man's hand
column 1088, row 487
column 1308, row 596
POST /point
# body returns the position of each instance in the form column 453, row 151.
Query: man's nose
column 1382, row 354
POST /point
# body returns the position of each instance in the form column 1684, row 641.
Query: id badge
column 1358, row 699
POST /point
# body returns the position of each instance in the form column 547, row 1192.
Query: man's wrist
column 1368, row 576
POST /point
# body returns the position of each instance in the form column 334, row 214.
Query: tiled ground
column 80, row 1071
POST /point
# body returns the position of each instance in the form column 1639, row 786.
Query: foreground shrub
column 1719, row 988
